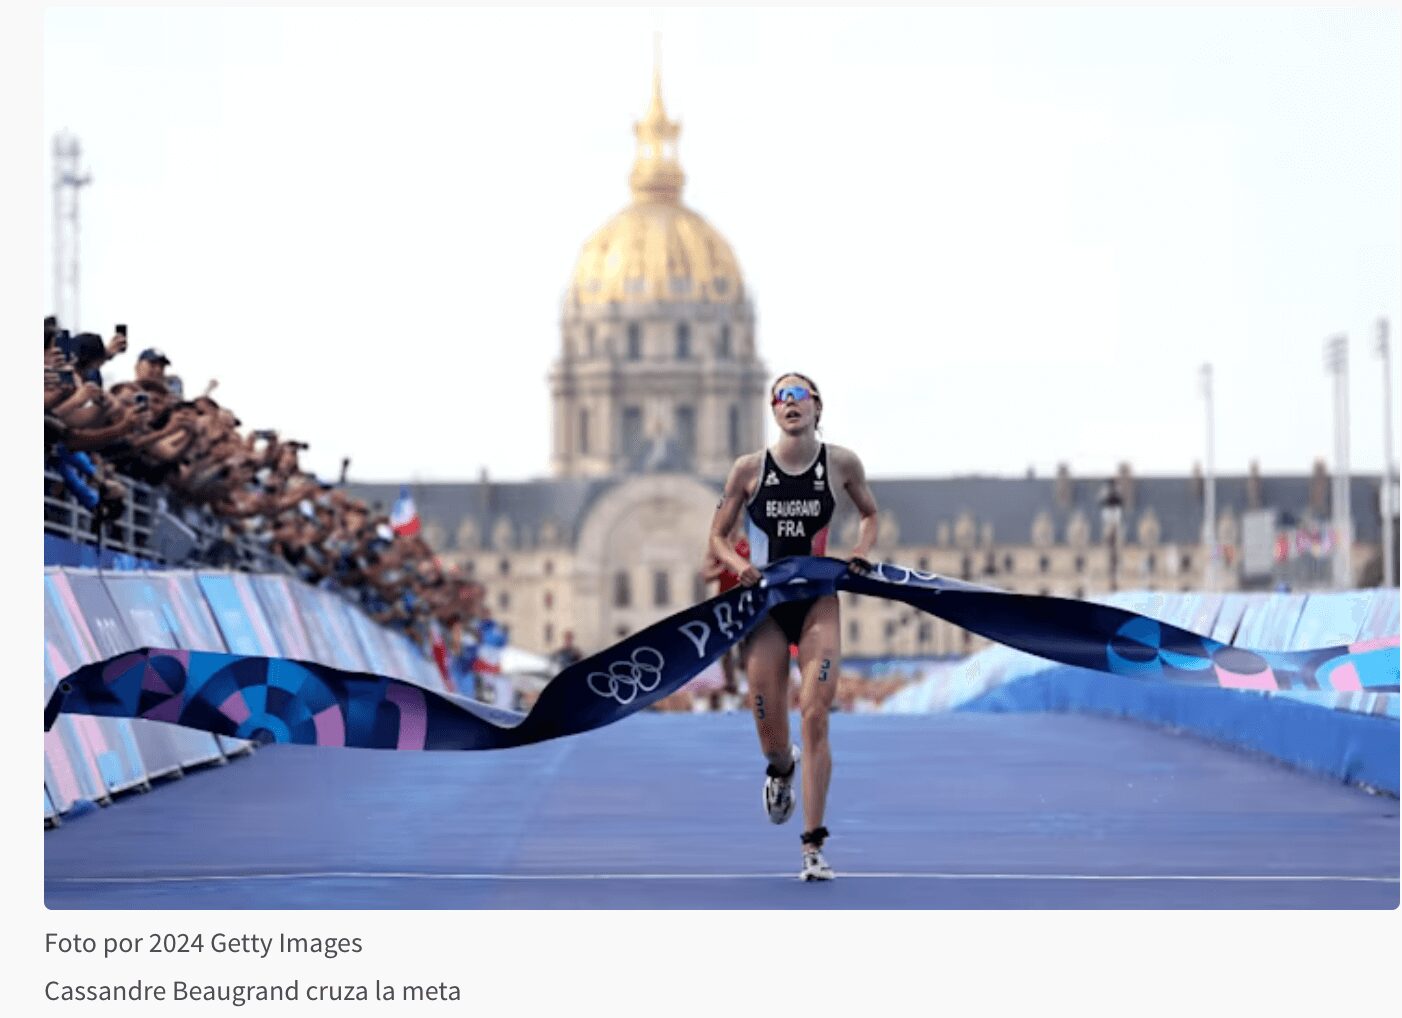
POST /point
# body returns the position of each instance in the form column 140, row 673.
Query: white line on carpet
column 195, row 878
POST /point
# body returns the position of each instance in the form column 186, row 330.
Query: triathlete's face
column 794, row 404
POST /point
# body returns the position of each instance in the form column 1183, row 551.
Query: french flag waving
column 404, row 517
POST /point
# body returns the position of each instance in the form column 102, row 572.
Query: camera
column 65, row 377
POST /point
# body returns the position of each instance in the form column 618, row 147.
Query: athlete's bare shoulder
column 743, row 474
column 845, row 459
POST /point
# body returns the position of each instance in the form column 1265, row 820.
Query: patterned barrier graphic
column 90, row 616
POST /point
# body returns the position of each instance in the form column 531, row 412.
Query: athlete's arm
column 732, row 503
column 854, row 482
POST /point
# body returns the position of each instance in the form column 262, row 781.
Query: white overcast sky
column 999, row 239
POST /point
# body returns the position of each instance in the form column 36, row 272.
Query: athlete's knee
column 814, row 717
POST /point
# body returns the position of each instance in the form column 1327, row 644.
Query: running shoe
column 815, row 867
column 778, row 790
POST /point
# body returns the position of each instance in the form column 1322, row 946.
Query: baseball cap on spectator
column 152, row 354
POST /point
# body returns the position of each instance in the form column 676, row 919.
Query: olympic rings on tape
column 625, row 679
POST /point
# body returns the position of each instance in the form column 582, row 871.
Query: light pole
column 1209, row 504
column 1111, row 513
column 1336, row 360
column 1385, row 496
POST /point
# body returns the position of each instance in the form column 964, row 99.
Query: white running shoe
column 815, row 867
column 778, row 790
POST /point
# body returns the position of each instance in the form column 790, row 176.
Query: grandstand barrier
column 91, row 615
column 1351, row 736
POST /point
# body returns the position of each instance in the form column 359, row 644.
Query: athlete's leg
column 819, row 650
column 767, row 669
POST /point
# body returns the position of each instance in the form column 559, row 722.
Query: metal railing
column 156, row 527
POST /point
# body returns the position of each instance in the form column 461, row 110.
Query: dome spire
column 657, row 175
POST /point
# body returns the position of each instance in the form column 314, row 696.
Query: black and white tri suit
column 789, row 515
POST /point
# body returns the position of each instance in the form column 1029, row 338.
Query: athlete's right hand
column 749, row 575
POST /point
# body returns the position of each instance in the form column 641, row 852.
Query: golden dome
column 657, row 249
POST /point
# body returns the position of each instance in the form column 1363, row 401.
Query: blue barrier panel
column 59, row 551
column 329, row 629
column 235, row 606
column 1382, row 617
column 1270, row 620
column 282, row 614
column 155, row 616
column 1351, row 747
column 1331, row 618
column 372, row 644
column 1197, row 611
column 92, row 757
column 1229, row 615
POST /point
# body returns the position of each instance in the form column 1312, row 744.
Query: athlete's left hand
column 859, row 565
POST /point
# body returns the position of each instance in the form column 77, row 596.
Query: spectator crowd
column 98, row 436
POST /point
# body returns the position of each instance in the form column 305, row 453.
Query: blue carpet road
column 664, row 811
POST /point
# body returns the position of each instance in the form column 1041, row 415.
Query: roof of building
column 517, row 514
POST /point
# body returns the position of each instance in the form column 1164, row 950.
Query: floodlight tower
column 69, row 180
column 1336, row 360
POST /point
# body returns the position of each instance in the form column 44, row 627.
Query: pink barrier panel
column 84, row 757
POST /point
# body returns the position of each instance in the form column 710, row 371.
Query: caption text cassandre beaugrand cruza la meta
column 174, row 945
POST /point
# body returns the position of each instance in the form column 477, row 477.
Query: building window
column 635, row 341
column 549, row 567
column 1044, row 591
column 632, row 432
column 925, row 633
column 584, row 432
column 854, row 632
column 890, row 630
column 1007, row 563
column 968, row 641
column 1186, row 563
column 589, row 340
column 471, row 566
column 622, row 590
column 990, row 564
column 661, row 589
column 683, row 341
column 1044, row 564
column 686, row 433
column 734, row 430
column 1080, row 563
column 966, row 568
column 549, row 599
column 549, row 634
column 923, row 564
column 698, row 588
column 504, row 600
column 1149, row 563
column 621, row 632
column 504, row 566
column 1080, row 593
column 723, row 344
